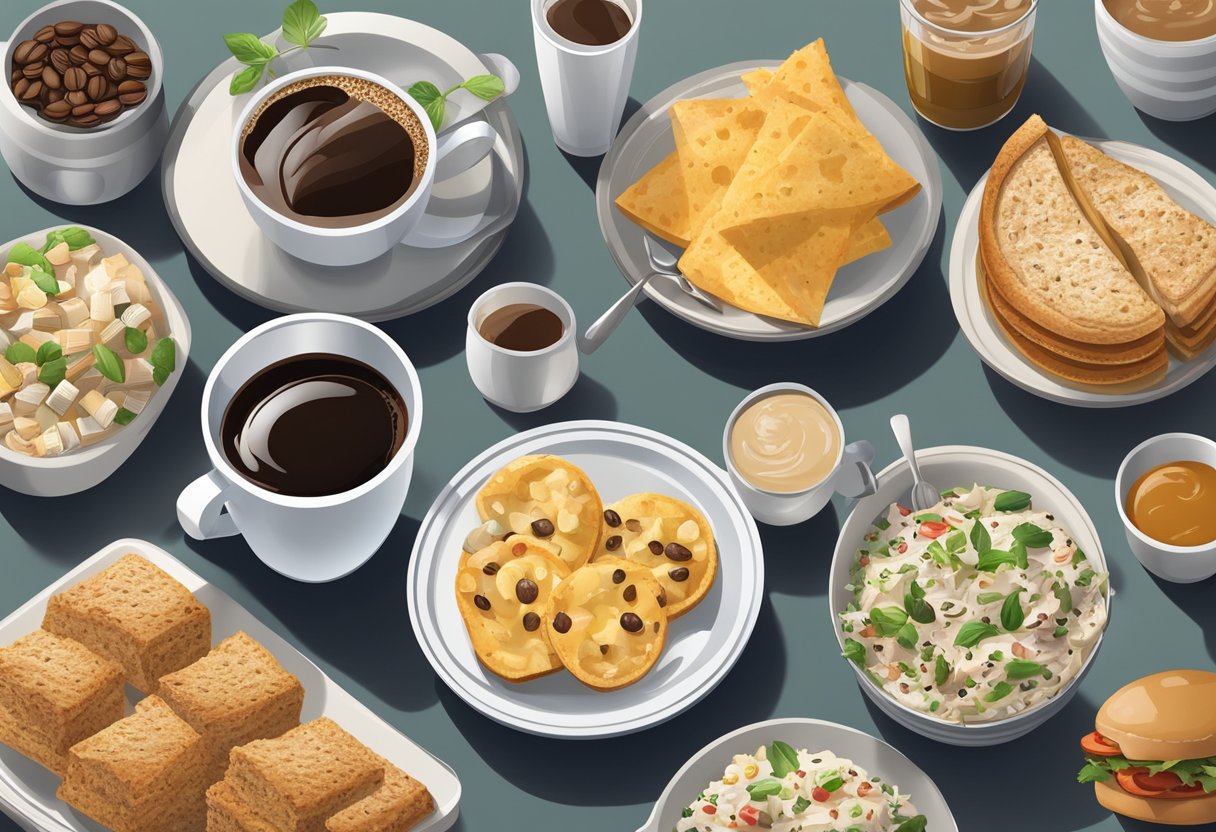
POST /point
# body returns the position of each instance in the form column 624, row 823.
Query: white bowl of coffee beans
column 82, row 110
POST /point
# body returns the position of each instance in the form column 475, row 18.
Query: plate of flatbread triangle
column 1084, row 270
column 800, row 199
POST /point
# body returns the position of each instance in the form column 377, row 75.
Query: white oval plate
column 872, row 754
column 219, row 233
column 859, row 288
column 1186, row 186
column 954, row 466
column 702, row 645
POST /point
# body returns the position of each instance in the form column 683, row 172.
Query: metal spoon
column 595, row 335
column 924, row 495
column 665, row 263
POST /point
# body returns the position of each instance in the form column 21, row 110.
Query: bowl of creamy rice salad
column 972, row 621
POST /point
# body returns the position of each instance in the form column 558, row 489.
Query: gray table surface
column 663, row 374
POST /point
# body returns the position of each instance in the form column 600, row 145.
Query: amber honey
column 1175, row 503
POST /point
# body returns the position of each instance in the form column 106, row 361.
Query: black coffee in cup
column 589, row 22
column 333, row 151
column 313, row 425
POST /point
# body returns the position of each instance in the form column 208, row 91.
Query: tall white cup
column 585, row 86
column 312, row 539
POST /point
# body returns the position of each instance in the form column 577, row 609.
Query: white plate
column 859, row 288
column 84, row 468
column 872, row 754
column 702, row 645
column 950, row 467
column 27, row 790
column 206, row 208
column 1186, row 186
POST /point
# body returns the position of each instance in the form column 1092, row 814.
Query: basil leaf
column 20, row 352
column 801, row 805
column 108, row 363
column 1012, row 614
column 53, row 238
column 249, row 49
column 1012, row 501
column 53, row 372
column 937, row 552
column 941, row 670
column 302, row 23
column 832, row 785
column 123, row 417
column 1023, row 669
column 432, row 100
column 76, row 237
column 1032, row 536
column 1078, row 556
column 45, row 281
column 917, row 607
column 927, row 517
column 48, row 352
column 999, row 691
column 989, row 597
column 1086, row 577
column 1062, row 592
column 26, row 255
column 913, row 824
column 764, row 788
column 888, row 620
column 245, row 80
column 855, row 652
column 973, row 632
column 485, row 87
column 956, row 541
column 164, row 355
column 160, row 376
column 980, row 538
column 1020, row 558
column 993, row 559
column 136, row 340
column 907, row 636
column 783, row 758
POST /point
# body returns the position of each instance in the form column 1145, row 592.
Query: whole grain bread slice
column 396, row 806
column 226, row 812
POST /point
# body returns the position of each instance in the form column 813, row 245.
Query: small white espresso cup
column 585, row 87
column 1178, row 564
column 454, row 153
column 312, row 539
column 513, row 379
column 850, row 476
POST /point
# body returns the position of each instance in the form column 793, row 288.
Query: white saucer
column 206, row 208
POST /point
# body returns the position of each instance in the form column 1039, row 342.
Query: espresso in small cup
column 589, row 22
column 313, row 425
column 1168, row 20
column 522, row 327
column 333, row 151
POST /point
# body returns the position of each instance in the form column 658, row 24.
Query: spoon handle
column 903, row 435
column 596, row 334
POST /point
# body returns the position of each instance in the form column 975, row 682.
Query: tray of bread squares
column 136, row 696
column 1084, row 271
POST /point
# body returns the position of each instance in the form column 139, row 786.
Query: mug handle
column 200, row 508
column 858, row 456
column 456, row 152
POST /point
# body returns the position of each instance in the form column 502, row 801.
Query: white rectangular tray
column 27, row 790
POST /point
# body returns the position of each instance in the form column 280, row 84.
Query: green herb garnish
column 973, row 632
column 20, row 352
column 1023, row 669
column 782, row 757
column 888, row 620
column 123, row 417
column 1012, row 614
column 855, row 652
column 135, row 339
column 109, row 364
column 980, row 538
column 1012, row 501
column 761, row 789
column 918, row 609
column 999, row 691
column 302, row 24
column 435, row 100
column 26, row 255
column 48, row 352
column 991, row 560
column 52, row 372
column 1032, row 536
column 163, row 360
column 75, row 236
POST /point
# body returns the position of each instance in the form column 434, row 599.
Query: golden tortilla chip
column 713, row 136
column 658, row 203
column 756, row 80
column 869, row 239
column 806, row 78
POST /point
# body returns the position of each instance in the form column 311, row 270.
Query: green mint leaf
column 245, row 80
column 432, row 100
column 764, row 788
column 53, row 239
column 302, row 23
column 160, row 376
column 124, row 416
column 1064, row 594
column 249, row 49
column 45, row 281
column 918, row 609
column 783, row 758
column 20, row 352
column 1032, row 536
column 53, row 372
column 48, row 352
column 993, row 559
column 26, row 255
column 1012, row 614
column 136, row 340
column 1078, row 556
column 164, row 355
column 108, row 363
column 1021, row 559
column 76, row 237
column 801, row 805
column 888, row 620
column 941, row 671
column 1012, row 501
column 980, row 539
column 1023, row 669
column 485, row 87
column 999, row 691
column 855, row 652
column 906, row 636
column 927, row 517
column 956, row 542
column 973, row 632
column 913, row 824
column 1086, row 577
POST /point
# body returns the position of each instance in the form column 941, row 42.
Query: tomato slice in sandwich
column 1129, row 781
column 1099, row 746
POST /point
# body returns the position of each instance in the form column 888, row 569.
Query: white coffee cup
column 850, row 475
column 513, row 379
column 585, row 86
column 450, row 155
column 1179, row 564
column 312, row 539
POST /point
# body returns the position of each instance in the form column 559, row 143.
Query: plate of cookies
column 585, row 580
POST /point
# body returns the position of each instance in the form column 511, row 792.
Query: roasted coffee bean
column 139, row 65
column 543, row 528
column 613, row 543
column 33, row 70
column 630, row 594
column 50, row 78
column 677, row 552
column 122, row 45
column 85, row 121
column 55, row 95
column 15, row 76
column 662, row 599
column 562, row 623
column 20, row 87
column 531, row 621
column 116, row 69
column 21, row 55
column 82, row 110
column 105, row 33
column 61, row 59
column 45, row 35
column 631, row 622
column 132, row 97
column 32, row 91
column 68, row 28
column 96, row 88
column 79, row 55
column 612, row 518
column 88, row 39
column 98, row 57
column 67, row 41
column 57, row 110
column 482, row 602
column 526, row 591
column 491, row 568
column 603, row 649
column 656, row 548
column 75, row 79
column 91, row 70
column 108, row 109
column 76, row 98
column 618, row 576
column 679, row 574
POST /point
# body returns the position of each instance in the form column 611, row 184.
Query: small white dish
column 851, row 474
column 83, row 468
column 1185, row 185
column 27, row 790
column 950, row 466
column 871, row 753
column 1170, row 80
column 518, row 381
column 702, row 645
column 84, row 167
column 1177, row 564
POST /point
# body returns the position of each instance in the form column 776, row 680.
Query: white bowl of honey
column 1162, row 54
column 1166, row 494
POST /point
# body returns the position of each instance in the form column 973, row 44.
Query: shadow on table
column 970, row 154
column 637, row 769
column 1095, row 440
column 588, row 167
column 800, row 556
column 345, row 622
column 1194, row 138
column 870, row 359
column 1195, row 601
column 1049, row 758
column 69, row 529
column 587, row 399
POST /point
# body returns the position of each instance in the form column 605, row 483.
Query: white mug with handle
column 453, row 153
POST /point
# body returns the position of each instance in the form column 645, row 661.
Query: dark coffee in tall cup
column 334, row 151
column 589, row 22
